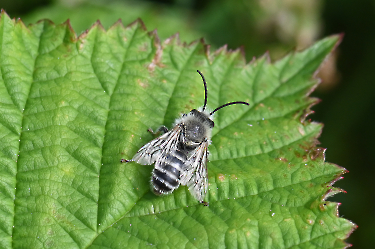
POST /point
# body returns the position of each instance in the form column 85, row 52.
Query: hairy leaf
column 71, row 108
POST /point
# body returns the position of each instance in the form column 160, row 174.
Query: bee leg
column 204, row 203
column 125, row 160
column 162, row 130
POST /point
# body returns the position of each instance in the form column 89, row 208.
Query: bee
column 180, row 155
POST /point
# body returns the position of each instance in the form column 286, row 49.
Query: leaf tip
column 224, row 51
column 69, row 26
column 154, row 34
column 338, row 37
column 266, row 56
column 138, row 22
column 118, row 23
column 173, row 39
column 5, row 14
column 241, row 51
column 96, row 24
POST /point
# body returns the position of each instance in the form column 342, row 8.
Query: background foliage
column 348, row 96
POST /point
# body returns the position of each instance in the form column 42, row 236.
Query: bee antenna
column 231, row 103
column 205, row 90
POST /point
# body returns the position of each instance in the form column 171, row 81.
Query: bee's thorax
column 196, row 128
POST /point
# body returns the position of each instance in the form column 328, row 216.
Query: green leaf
column 71, row 108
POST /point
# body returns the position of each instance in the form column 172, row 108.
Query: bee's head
column 197, row 126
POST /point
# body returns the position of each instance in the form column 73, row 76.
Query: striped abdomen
column 166, row 175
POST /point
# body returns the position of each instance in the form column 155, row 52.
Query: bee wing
column 151, row 151
column 195, row 172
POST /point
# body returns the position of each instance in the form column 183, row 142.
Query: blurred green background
column 278, row 26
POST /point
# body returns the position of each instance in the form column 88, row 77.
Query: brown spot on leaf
column 301, row 131
column 259, row 105
column 309, row 221
column 81, row 45
column 282, row 159
column 316, row 153
column 322, row 207
column 143, row 47
column 142, row 84
column 221, row 177
column 156, row 61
